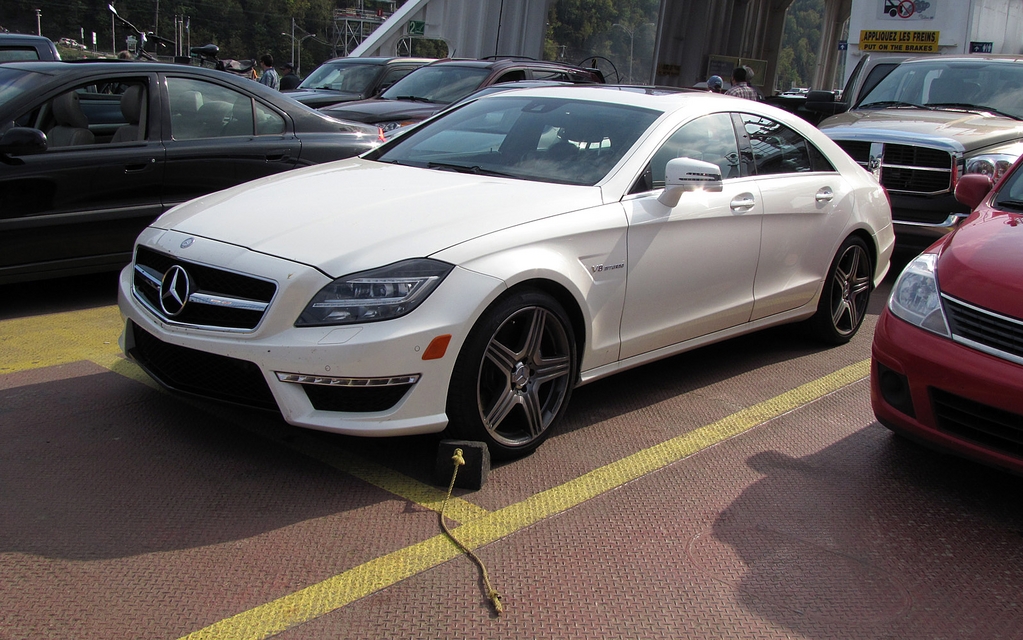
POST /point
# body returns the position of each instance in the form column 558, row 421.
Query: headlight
column 990, row 164
column 915, row 297
column 380, row 294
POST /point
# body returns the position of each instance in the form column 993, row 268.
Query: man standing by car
column 289, row 80
column 269, row 76
column 740, row 87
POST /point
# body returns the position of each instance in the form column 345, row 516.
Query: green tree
column 801, row 41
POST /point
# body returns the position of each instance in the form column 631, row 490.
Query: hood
column 980, row 262
column 322, row 97
column 351, row 215
column 380, row 110
column 965, row 130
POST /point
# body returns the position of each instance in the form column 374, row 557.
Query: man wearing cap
column 740, row 86
column 288, row 79
column 714, row 84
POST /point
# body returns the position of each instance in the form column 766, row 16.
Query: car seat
column 72, row 126
column 132, row 108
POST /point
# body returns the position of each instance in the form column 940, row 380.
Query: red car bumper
column 946, row 395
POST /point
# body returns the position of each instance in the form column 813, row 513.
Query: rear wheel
column 846, row 293
column 514, row 376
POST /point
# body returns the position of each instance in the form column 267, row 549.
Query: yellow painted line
column 336, row 592
column 60, row 338
column 91, row 334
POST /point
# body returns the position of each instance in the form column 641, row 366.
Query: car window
column 957, row 83
column 111, row 111
column 708, row 138
column 13, row 83
column 441, row 84
column 14, row 54
column 354, row 78
column 541, row 139
column 779, row 149
column 511, row 76
column 201, row 109
column 395, row 74
column 550, row 74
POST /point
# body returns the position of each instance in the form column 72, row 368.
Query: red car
column 947, row 365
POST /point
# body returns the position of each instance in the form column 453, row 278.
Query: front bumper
column 368, row 379
column 947, row 395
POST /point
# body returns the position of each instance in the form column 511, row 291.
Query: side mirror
column 824, row 102
column 22, row 141
column 973, row 188
column 687, row 174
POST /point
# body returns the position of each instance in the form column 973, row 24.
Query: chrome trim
column 949, row 222
column 227, row 301
column 332, row 381
column 991, row 351
column 163, row 318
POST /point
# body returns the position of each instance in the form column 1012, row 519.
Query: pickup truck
column 20, row 47
column 925, row 123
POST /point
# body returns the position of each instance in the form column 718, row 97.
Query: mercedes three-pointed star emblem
column 174, row 290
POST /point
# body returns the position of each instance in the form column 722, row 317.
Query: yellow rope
column 492, row 593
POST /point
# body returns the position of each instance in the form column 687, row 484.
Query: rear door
column 218, row 136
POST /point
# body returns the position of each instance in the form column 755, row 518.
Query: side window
column 550, row 74
column 201, row 109
column 512, row 76
column 268, row 122
column 708, row 138
column 778, row 149
column 392, row 76
column 105, row 112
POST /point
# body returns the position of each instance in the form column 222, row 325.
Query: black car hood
column 379, row 110
column 322, row 97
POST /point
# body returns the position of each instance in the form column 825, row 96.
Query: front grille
column 197, row 372
column 907, row 168
column 1000, row 334
column 981, row 424
column 219, row 299
column 354, row 399
column 859, row 151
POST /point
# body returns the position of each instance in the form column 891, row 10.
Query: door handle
column 139, row 166
column 824, row 195
column 277, row 155
column 743, row 202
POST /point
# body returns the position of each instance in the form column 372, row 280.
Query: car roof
column 653, row 97
column 994, row 57
column 495, row 63
column 26, row 37
column 377, row 60
column 58, row 67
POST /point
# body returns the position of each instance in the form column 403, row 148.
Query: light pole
column 296, row 47
column 632, row 40
column 39, row 22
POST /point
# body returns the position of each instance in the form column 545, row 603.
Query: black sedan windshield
column 542, row 139
column 348, row 77
column 441, row 85
column 982, row 85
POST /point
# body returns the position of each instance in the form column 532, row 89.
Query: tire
column 514, row 375
column 846, row 294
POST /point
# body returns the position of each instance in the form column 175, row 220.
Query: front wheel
column 846, row 293
column 514, row 376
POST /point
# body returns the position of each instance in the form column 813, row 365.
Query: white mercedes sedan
column 468, row 274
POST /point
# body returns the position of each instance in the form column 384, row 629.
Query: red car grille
column 996, row 332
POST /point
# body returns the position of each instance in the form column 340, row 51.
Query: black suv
column 348, row 79
column 431, row 88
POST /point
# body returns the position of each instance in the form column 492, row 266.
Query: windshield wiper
column 894, row 103
column 461, row 168
column 413, row 99
column 1010, row 202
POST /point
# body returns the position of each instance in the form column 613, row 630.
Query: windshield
column 442, row 85
column 981, row 84
column 13, row 83
column 1010, row 194
column 550, row 139
column 348, row 77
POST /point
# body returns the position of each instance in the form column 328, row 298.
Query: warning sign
column 899, row 41
column 907, row 9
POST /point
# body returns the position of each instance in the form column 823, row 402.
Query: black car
column 429, row 89
column 349, row 79
column 17, row 46
column 91, row 153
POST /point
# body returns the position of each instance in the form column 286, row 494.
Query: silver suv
column 925, row 124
